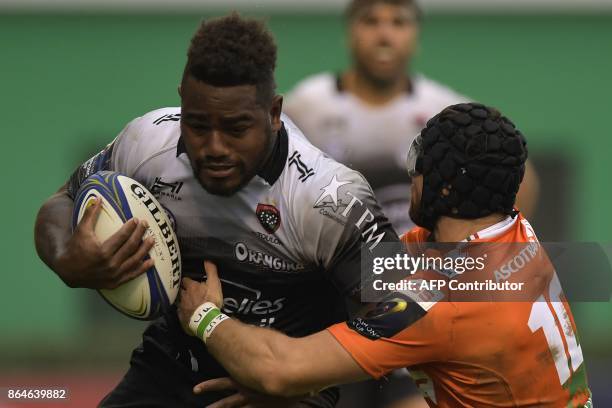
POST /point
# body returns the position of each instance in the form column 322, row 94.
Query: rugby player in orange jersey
column 466, row 167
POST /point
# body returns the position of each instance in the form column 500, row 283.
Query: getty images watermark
column 490, row 272
column 451, row 267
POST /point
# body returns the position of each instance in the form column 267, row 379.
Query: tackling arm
column 263, row 359
column 273, row 363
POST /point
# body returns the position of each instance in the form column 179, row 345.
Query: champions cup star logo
column 331, row 190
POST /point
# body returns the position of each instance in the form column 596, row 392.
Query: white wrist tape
column 213, row 325
column 205, row 319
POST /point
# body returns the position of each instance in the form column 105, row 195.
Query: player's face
column 383, row 38
column 416, row 191
column 227, row 133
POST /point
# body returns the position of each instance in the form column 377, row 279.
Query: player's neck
column 455, row 230
column 371, row 92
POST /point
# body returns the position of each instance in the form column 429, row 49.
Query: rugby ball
column 147, row 296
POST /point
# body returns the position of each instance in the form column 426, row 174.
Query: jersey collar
column 180, row 147
column 273, row 168
column 275, row 164
column 494, row 230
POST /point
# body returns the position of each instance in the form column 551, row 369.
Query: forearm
column 254, row 357
column 52, row 230
column 273, row 363
column 262, row 359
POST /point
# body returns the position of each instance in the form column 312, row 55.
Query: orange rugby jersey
column 484, row 354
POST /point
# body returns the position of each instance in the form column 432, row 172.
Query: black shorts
column 168, row 364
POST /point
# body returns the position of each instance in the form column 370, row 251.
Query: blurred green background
column 70, row 82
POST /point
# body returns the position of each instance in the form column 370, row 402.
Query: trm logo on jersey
column 329, row 195
column 269, row 217
column 329, row 203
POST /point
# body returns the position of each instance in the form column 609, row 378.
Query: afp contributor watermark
column 487, row 271
column 449, row 266
column 419, row 285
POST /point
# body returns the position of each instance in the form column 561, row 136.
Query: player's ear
column 178, row 88
column 275, row 112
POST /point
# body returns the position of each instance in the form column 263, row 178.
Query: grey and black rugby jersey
column 287, row 245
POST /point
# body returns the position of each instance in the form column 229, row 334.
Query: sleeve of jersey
column 422, row 341
column 342, row 219
column 116, row 156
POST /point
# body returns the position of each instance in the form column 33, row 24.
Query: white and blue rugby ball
column 150, row 294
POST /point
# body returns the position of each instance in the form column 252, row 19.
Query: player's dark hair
column 356, row 7
column 472, row 162
column 231, row 51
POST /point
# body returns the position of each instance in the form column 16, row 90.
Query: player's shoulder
column 149, row 135
column 155, row 128
column 315, row 86
column 312, row 169
column 318, row 188
column 436, row 92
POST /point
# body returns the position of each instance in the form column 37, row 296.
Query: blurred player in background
column 244, row 188
column 361, row 116
column 466, row 168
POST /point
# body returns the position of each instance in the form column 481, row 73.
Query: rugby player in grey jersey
column 246, row 190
